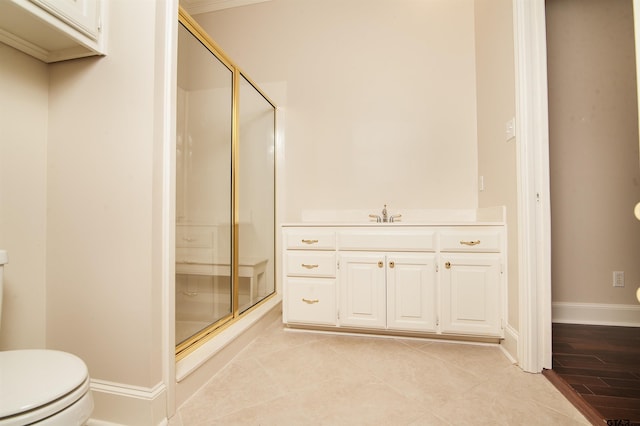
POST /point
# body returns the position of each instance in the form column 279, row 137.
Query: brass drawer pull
column 310, row 301
column 306, row 265
column 310, row 241
column 470, row 243
column 380, row 264
column 392, row 264
column 447, row 265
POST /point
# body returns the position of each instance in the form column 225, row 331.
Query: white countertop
column 490, row 216
column 390, row 225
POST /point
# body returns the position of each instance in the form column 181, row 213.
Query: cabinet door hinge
column 437, row 321
column 502, row 323
column 502, row 268
column 338, row 264
column 437, row 267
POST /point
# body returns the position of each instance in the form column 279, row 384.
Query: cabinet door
column 363, row 290
column 470, row 294
column 83, row 15
column 411, row 292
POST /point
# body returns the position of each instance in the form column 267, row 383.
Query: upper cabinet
column 53, row 30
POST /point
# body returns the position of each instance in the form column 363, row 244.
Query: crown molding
column 194, row 7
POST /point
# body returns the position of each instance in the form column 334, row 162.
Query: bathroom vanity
column 444, row 278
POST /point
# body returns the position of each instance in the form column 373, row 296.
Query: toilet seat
column 35, row 384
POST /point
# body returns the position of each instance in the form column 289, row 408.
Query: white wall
column 380, row 98
column 23, row 150
column 495, row 70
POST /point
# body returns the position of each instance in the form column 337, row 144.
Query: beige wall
column 380, row 98
column 80, row 205
column 23, row 150
column 103, row 294
column 595, row 178
column 495, row 71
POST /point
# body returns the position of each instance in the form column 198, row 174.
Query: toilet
column 41, row 386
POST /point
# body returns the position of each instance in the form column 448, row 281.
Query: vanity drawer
column 311, row 264
column 387, row 240
column 311, row 301
column 488, row 241
column 310, row 240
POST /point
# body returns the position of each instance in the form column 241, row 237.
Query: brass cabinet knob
column 392, row 264
column 380, row 264
column 447, row 265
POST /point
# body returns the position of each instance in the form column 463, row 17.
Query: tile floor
column 299, row 378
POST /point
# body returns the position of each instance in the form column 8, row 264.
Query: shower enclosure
column 225, row 191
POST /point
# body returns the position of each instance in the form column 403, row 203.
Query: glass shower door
column 203, row 188
column 256, row 194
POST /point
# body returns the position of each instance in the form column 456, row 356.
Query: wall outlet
column 510, row 129
column 618, row 278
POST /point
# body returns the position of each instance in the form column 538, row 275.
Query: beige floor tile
column 480, row 360
column 413, row 372
column 308, row 365
column 478, row 409
column 296, row 378
column 240, row 384
column 275, row 339
column 337, row 404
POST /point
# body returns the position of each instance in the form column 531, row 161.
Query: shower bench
column 252, row 268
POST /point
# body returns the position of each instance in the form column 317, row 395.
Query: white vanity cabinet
column 423, row 279
column 471, row 281
column 53, row 30
column 310, row 277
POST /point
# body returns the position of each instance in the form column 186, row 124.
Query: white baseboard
column 509, row 345
column 123, row 404
column 596, row 314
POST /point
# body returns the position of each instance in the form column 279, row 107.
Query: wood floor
column 602, row 365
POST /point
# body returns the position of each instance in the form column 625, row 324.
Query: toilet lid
column 35, row 377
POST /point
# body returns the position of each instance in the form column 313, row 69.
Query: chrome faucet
column 385, row 218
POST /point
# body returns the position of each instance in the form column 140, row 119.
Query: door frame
column 534, row 210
